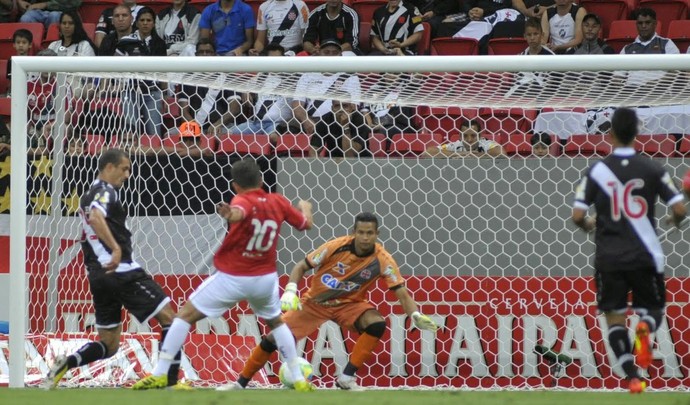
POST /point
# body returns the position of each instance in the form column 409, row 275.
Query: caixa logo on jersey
column 335, row 284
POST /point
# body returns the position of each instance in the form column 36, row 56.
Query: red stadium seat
column 624, row 32
column 170, row 140
column 656, row 145
column 414, row 144
column 679, row 32
column 94, row 143
column 153, row 141
column 91, row 10
column 607, row 10
column 4, row 83
column 7, row 31
column 506, row 121
column 507, row 46
column 588, row 145
column 365, row 36
column 159, row 5
column 666, row 11
column 245, row 144
column 293, row 145
column 5, row 106
column 365, row 8
column 518, row 144
column 312, row 4
column 379, row 145
column 683, row 146
column 444, row 120
column 454, row 46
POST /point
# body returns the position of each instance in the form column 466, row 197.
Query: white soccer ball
column 286, row 376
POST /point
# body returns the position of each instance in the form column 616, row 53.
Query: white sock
column 286, row 346
column 172, row 344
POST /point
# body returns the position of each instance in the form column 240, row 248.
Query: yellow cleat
column 57, row 371
column 151, row 382
column 180, row 386
column 304, row 386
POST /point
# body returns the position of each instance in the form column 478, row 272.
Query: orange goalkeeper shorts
column 302, row 323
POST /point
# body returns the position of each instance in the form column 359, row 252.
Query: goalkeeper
column 345, row 269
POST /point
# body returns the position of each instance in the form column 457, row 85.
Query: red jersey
column 250, row 246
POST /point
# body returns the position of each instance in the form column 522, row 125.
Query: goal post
column 485, row 243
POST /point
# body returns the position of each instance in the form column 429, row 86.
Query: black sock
column 350, row 369
column 622, row 348
column 174, row 369
column 88, row 353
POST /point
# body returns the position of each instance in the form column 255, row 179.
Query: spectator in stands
column 211, row 108
column 529, row 83
column 387, row 117
column 5, row 137
column 333, row 20
column 8, row 11
column 22, row 40
column 232, row 23
column 73, row 39
column 476, row 18
column 41, row 93
column 532, row 8
column 143, row 98
column 178, row 25
column 331, row 124
column 647, row 41
column 396, row 29
column 541, row 144
column 562, row 26
column 107, row 24
column 281, row 22
column 45, row 12
column 270, row 111
column 121, row 17
column 591, row 44
column 470, row 144
column 435, row 11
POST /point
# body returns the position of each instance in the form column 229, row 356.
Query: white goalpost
column 484, row 241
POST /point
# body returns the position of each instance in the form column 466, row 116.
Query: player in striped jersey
column 623, row 189
column 396, row 29
column 280, row 22
column 345, row 269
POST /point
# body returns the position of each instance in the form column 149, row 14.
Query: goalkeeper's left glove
column 423, row 322
column 290, row 301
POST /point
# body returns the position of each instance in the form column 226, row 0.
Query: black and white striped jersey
column 104, row 197
column 623, row 189
column 398, row 24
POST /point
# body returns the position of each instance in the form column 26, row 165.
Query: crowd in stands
column 196, row 120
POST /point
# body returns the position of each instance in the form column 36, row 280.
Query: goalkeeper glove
column 289, row 300
column 423, row 322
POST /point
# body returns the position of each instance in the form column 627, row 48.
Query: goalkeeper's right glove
column 289, row 301
column 423, row 322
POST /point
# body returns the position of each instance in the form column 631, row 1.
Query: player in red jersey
column 246, row 264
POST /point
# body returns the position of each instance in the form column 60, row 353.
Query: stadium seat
column 507, row 46
column 624, row 32
column 444, row 120
column 53, row 33
column 679, row 32
column 588, row 145
column 608, row 11
column 656, row 145
column 94, row 143
column 683, row 146
column 425, row 42
column 454, row 46
column 293, row 145
column 150, row 141
column 312, row 4
column 365, row 37
column 91, row 10
column 378, row 145
column 506, row 121
column 365, row 8
column 7, row 31
column 414, row 144
column 518, row 144
column 159, row 5
column 5, row 106
column 4, row 83
column 169, row 141
column 666, row 11
column 245, row 144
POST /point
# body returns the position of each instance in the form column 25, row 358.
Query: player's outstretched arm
column 289, row 301
column 306, row 208
column 232, row 214
column 408, row 303
column 100, row 227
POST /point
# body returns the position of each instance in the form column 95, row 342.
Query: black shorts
column 135, row 290
column 647, row 286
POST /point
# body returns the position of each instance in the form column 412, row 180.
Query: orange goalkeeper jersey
column 341, row 276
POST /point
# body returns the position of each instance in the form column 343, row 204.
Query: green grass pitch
column 92, row 396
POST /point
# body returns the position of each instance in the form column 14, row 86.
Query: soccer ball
column 686, row 183
column 286, row 377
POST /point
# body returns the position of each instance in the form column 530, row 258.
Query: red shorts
column 302, row 323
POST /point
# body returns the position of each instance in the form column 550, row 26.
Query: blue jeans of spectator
column 41, row 16
column 254, row 127
column 143, row 111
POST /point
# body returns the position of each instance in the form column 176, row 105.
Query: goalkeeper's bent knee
column 267, row 345
column 376, row 329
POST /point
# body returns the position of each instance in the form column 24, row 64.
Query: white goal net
column 480, row 227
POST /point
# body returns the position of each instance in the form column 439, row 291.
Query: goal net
column 479, row 224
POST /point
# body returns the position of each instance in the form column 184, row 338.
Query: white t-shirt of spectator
column 562, row 27
column 458, row 146
column 284, row 20
column 79, row 49
column 270, row 107
column 322, row 84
